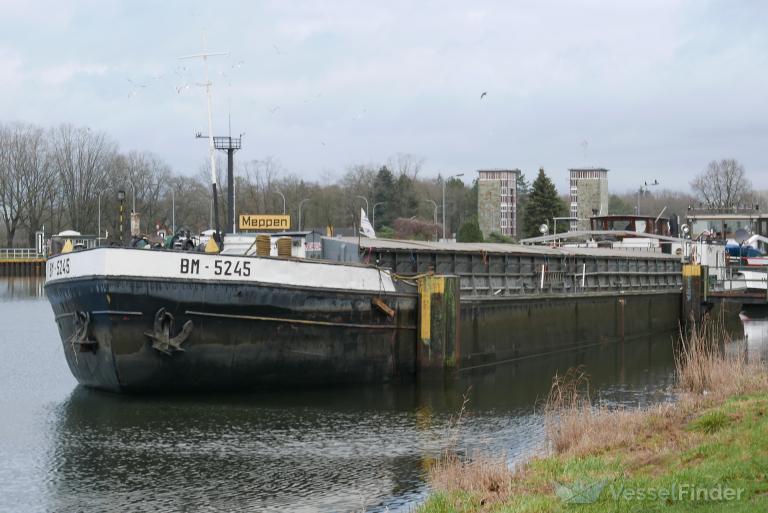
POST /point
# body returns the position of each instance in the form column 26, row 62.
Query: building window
column 504, row 191
column 503, row 207
column 503, row 222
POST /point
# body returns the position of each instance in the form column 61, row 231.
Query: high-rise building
column 589, row 195
column 497, row 201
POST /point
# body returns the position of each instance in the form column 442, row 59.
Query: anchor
column 161, row 336
column 81, row 322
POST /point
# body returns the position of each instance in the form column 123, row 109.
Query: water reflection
column 67, row 448
column 21, row 287
column 753, row 346
column 337, row 449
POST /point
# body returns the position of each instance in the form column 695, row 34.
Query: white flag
column 366, row 228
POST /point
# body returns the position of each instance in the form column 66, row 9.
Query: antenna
column 204, row 56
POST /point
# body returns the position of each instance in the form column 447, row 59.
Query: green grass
column 723, row 447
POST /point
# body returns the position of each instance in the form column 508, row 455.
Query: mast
column 204, row 56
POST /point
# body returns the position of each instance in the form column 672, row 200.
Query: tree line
column 68, row 177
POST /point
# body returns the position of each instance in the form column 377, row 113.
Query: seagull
column 181, row 88
column 483, row 94
column 277, row 50
column 274, row 109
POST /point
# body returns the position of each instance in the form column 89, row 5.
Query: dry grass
column 573, row 425
column 487, row 476
column 706, row 376
column 703, row 370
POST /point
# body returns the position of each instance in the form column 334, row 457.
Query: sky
column 651, row 90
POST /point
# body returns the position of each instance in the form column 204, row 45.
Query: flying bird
column 483, row 94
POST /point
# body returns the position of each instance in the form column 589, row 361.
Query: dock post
column 693, row 289
column 437, row 345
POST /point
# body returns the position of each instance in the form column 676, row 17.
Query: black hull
column 242, row 336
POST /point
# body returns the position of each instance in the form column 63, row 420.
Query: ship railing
column 735, row 280
column 20, row 254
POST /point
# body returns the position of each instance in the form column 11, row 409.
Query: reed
column 707, row 376
column 705, row 370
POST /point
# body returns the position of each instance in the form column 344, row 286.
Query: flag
column 365, row 225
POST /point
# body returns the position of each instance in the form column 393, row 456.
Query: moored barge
column 140, row 320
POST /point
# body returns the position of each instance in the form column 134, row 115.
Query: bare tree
column 149, row 176
column 37, row 178
column 406, row 164
column 11, row 203
column 84, row 161
column 723, row 184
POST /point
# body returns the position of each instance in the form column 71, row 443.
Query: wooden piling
column 438, row 347
column 693, row 293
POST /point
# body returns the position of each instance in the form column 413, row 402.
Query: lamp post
column 98, row 231
column 282, row 196
column 435, row 215
column 444, row 180
column 643, row 188
column 300, row 204
column 373, row 213
column 366, row 203
column 133, row 197
column 173, row 211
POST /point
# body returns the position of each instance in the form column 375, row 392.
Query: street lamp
column 644, row 188
column 435, row 215
column 282, row 196
column 373, row 213
column 98, row 231
column 300, row 204
column 367, row 210
column 173, row 211
column 133, row 197
column 444, row 180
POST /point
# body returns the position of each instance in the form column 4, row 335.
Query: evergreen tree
column 384, row 192
column 543, row 204
column 470, row 232
column 617, row 206
column 523, row 190
column 405, row 198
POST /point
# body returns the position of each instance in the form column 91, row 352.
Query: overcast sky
column 652, row 89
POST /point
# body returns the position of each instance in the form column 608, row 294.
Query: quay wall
column 31, row 267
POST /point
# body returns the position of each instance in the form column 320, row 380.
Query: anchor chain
column 81, row 323
column 161, row 334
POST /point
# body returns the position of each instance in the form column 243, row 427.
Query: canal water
column 65, row 448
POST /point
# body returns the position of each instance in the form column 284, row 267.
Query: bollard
column 438, row 341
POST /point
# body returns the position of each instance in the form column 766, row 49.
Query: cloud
column 59, row 74
column 660, row 87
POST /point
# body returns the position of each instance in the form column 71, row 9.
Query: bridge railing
column 20, row 254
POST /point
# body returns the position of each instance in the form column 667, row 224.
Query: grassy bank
column 707, row 451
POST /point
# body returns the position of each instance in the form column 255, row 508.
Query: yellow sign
column 265, row 222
